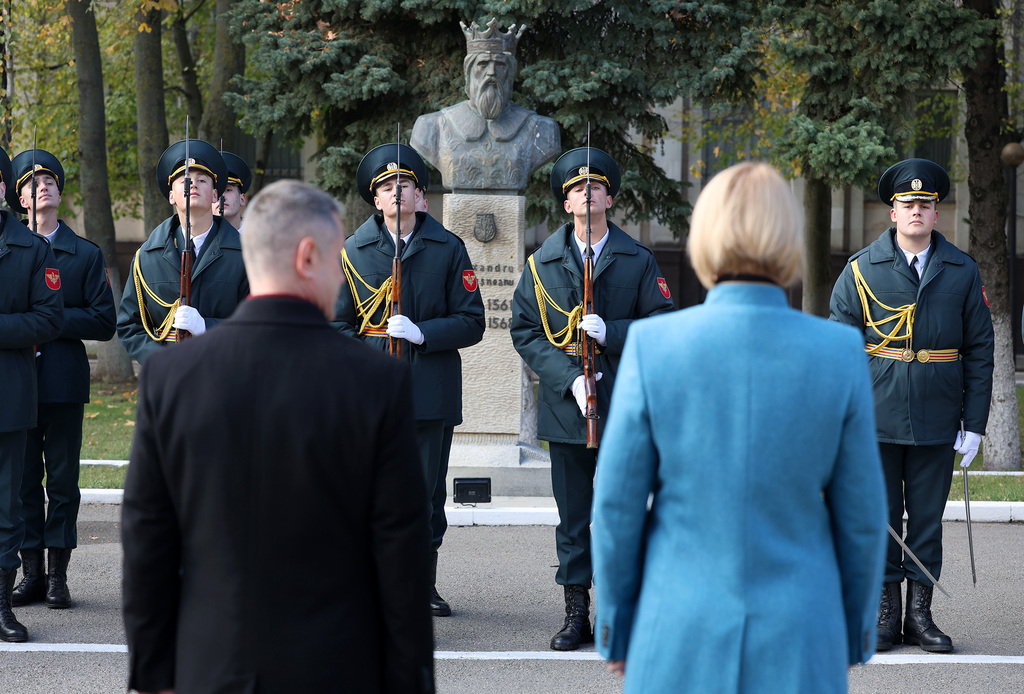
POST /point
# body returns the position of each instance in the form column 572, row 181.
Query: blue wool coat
column 759, row 564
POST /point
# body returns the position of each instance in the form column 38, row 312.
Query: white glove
column 187, row 318
column 579, row 391
column 593, row 324
column 967, row 446
column 401, row 326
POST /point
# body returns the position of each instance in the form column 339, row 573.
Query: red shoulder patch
column 106, row 271
column 984, row 295
column 53, row 278
column 469, row 280
column 663, row 286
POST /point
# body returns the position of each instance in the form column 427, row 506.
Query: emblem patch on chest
column 663, row 286
column 469, row 280
column 53, row 278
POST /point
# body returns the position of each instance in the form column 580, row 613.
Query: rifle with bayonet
column 35, row 214
column 188, row 253
column 395, row 343
column 589, row 344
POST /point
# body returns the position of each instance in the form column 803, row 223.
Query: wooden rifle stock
column 185, row 292
column 589, row 354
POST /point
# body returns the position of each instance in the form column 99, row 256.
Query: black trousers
column 55, row 445
column 438, row 520
column 572, row 482
column 430, row 434
column 917, row 480
column 12, row 527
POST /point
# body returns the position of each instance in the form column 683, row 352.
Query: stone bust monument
column 487, row 144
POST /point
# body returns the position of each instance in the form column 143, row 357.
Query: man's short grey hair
column 280, row 216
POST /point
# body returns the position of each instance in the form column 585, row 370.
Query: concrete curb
column 526, row 510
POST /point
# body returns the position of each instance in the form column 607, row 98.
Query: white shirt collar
column 198, row 241
column 597, row 247
column 922, row 258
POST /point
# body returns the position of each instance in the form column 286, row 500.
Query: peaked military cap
column 913, row 179
column 22, row 170
column 239, row 172
column 5, row 169
column 203, row 157
column 571, row 168
column 383, row 161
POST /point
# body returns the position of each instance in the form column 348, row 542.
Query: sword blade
column 970, row 537
column 917, row 561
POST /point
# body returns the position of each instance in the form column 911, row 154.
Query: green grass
column 109, row 421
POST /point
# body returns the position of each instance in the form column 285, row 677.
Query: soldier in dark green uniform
column 150, row 315
column 442, row 311
column 546, row 325
column 232, row 201
column 31, row 313
column 927, row 328
column 55, row 443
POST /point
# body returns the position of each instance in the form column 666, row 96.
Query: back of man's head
column 279, row 217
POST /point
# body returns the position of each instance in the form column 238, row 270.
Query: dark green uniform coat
column 89, row 314
column 219, row 282
column 627, row 286
column 435, row 297
column 922, row 404
column 31, row 313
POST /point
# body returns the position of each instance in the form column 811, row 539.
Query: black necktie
column 913, row 267
column 401, row 247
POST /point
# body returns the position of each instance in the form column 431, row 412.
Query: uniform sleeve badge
column 106, row 271
column 984, row 295
column 53, row 278
column 469, row 280
column 663, row 286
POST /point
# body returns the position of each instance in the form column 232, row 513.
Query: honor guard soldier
column 440, row 306
column 152, row 311
column 55, row 443
column 231, row 202
column 31, row 313
column 547, row 321
column 928, row 332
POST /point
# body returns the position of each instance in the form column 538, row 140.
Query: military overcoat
column 439, row 294
column 89, row 314
column 31, row 313
column 627, row 286
column 918, row 403
column 219, row 282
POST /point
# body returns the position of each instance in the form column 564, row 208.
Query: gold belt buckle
column 907, row 355
column 924, row 356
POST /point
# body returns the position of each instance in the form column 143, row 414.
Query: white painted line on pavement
column 65, row 647
column 879, row 659
column 924, row 659
column 516, row 655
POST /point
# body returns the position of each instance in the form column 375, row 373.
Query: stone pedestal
column 498, row 435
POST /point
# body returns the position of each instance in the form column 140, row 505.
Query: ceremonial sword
column 967, row 509
column 917, row 561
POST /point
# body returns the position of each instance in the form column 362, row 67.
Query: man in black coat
column 31, row 313
column 55, row 443
column 275, row 535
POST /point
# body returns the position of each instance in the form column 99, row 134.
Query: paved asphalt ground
column 500, row 582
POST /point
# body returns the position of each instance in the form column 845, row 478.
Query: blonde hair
column 747, row 221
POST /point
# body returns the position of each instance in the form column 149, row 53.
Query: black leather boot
column 438, row 606
column 576, row 631
column 10, row 628
column 58, row 596
column 890, row 610
column 918, row 627
column 32, row 587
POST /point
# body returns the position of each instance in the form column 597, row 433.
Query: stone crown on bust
column 491, row 39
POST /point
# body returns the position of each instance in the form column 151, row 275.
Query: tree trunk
column 259, row 172
column 6, row 77
column 228, row 60
column 114, row 364
column 189, row 78
column 152, row 116
column 986, row 115
column 817, row 289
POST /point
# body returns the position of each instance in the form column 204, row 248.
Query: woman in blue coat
column 739, row 511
